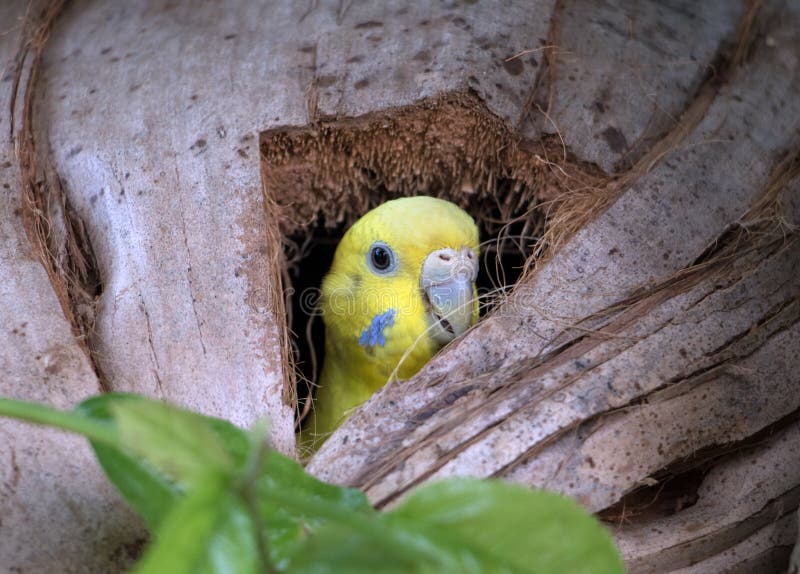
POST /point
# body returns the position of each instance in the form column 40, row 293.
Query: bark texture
column 57, row 511
column 646, row 364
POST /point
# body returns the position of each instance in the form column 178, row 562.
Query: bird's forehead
column 422, row 230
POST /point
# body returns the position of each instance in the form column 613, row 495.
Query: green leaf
column 530, row 530
column 288, row 526
column 157, row 491
column 181, row 444
column 466, row 526
column 338, row 530
column 233, row 548
column 334, row 549
column 152, row 452
column 206, row 531
column 150, row 492
column 360, row 544
column 220, row 501
column 283, row 472
column 153, row 488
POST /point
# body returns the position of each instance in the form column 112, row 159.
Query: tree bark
column 647, row 364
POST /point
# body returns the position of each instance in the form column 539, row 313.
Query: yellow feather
column 353, row 294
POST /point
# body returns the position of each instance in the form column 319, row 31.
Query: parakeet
column 401, row 286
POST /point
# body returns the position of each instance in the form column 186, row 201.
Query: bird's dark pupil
column 380, row 258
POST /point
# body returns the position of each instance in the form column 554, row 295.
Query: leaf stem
column 69, row 421
column 247, row 487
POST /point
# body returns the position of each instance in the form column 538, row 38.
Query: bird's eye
column 381, row 258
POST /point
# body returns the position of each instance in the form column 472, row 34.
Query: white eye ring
column 381, row 259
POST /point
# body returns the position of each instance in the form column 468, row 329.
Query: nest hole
column 319, row 179
column 667, row 495
column 677, row 486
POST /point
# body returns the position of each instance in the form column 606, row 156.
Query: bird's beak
column 448, row 285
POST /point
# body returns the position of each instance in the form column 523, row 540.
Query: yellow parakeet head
column 402, row 284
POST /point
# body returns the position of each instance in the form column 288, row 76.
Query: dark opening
column 320, row 178
column 668, row 495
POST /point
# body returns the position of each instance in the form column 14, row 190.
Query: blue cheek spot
column 373, row 335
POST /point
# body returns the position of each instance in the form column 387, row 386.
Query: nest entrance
column 318, row 180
